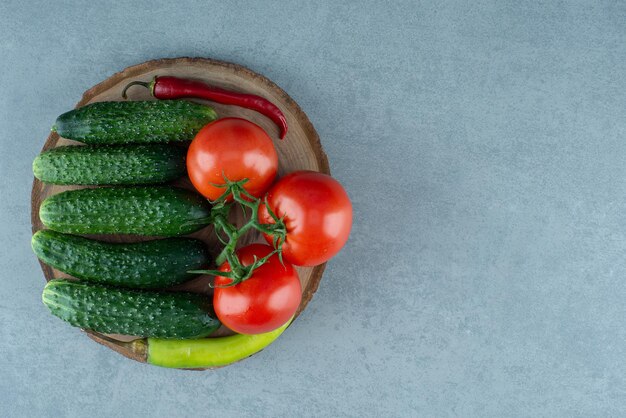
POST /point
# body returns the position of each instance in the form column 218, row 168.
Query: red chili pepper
column 167, row 87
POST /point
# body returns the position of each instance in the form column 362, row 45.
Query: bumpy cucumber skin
column 153, row 211
column 134, row 122
column 143, row 265
column 110, row 164
column 131, row 312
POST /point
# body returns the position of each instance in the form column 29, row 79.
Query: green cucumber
column 148, row 264
column 110, row 164
column 157, row 211
column 134, row 122
column 140, row 313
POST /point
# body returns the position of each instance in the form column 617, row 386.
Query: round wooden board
column 300, row 150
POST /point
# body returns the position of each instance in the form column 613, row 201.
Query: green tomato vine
column 228, row 234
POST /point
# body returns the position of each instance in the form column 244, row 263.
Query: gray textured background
column 484, row 150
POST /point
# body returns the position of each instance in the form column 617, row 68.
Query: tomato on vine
column 264, row 300
column 316, row 212
column 233, row 149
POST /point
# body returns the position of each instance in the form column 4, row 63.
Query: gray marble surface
column 483, row 146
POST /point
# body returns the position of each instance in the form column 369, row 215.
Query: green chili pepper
column 204, row 352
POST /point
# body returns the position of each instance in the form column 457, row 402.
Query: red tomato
column 262, row 303
column 318, row 216
column 235, row 148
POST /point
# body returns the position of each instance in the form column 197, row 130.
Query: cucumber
column 134, row 122
column 156, row 210
column 148, row 264
column 140, row 313
column 110, row 164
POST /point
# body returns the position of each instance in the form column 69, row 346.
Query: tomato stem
column 219, row 215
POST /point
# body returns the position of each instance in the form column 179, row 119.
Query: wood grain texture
column 300, row 150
